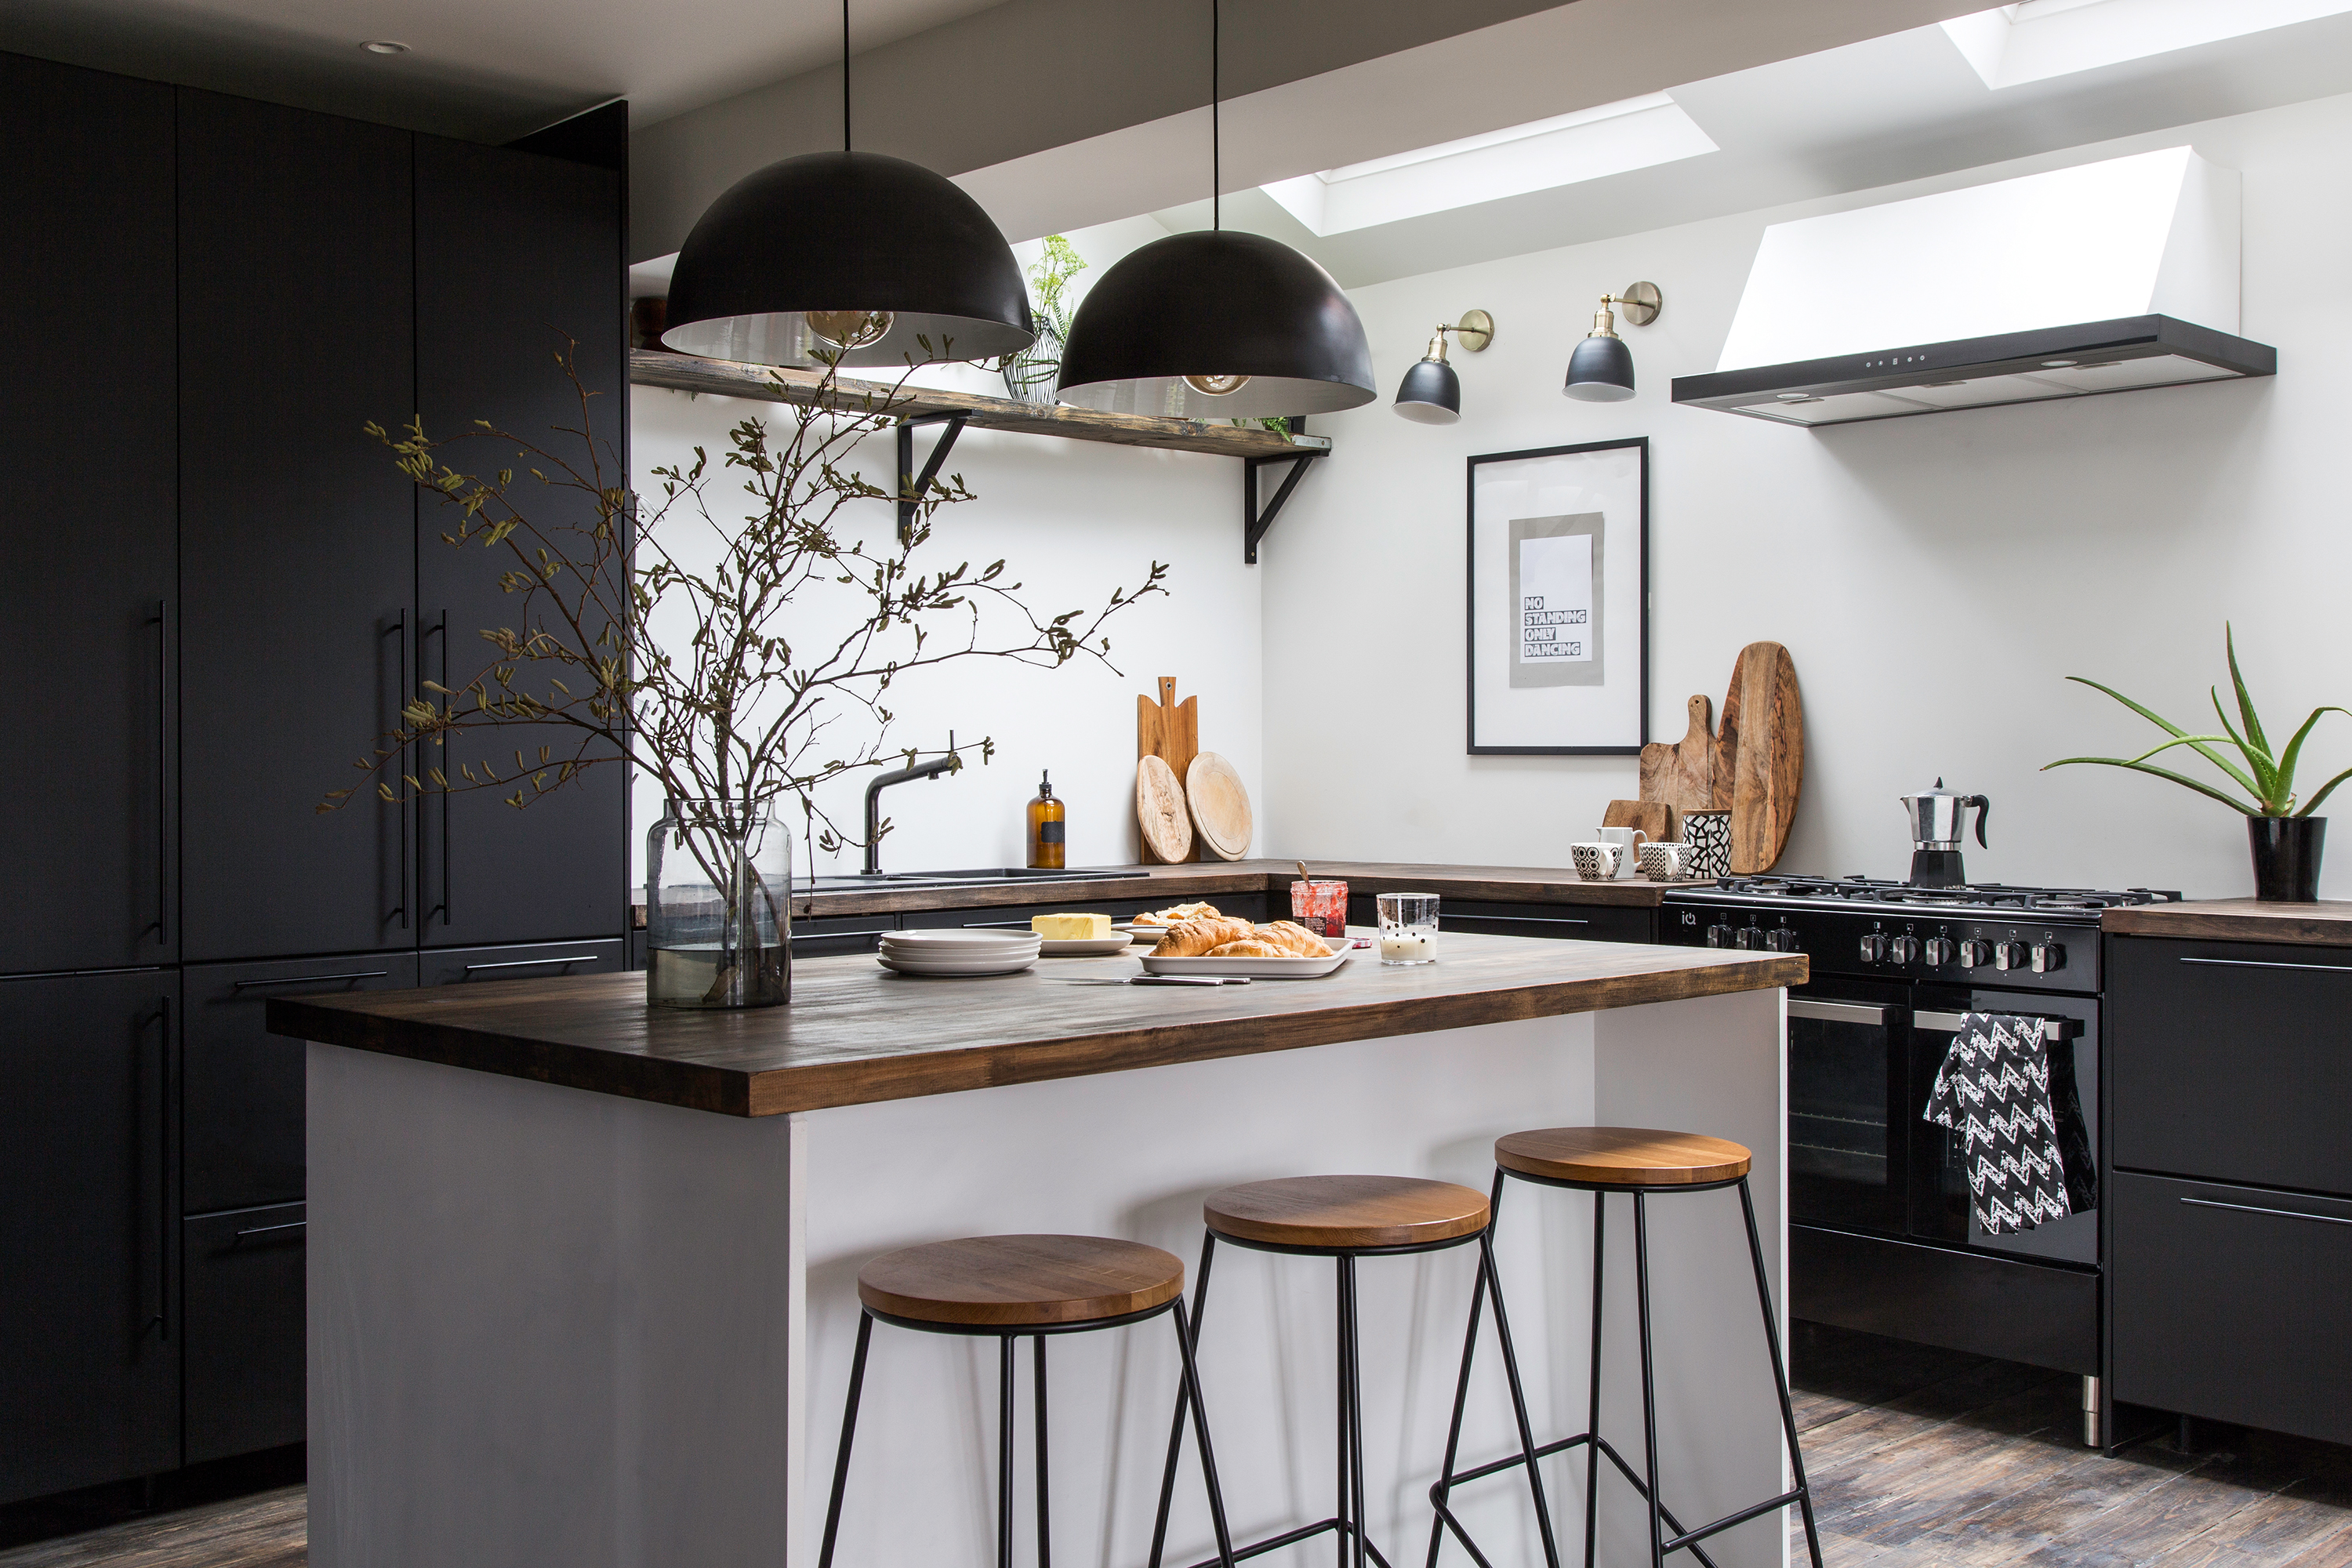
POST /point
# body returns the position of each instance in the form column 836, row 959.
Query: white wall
column 1935, row 578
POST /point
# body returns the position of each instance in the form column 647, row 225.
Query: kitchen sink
column 980, row 876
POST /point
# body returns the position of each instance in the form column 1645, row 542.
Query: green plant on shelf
column 1049, row 281
column 2267, row 777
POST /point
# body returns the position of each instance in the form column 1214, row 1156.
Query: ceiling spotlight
column 1431, row 393
column 383, row 46
column 1601, row 368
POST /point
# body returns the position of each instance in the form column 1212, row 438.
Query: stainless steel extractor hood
column 2107, row 277
column 1978, row 373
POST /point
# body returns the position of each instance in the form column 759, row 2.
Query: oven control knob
column 1903, row 949
column 2048, row 958
column 1941, row 951
column 1782, row 940
column 1747, row 937
column 1873, row 948
column 1975, row 954
column 2009, row 955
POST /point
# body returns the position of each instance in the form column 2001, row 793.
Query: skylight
column 2038, row 39
column 1634, row 133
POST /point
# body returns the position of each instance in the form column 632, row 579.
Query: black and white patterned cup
column 1708, row 835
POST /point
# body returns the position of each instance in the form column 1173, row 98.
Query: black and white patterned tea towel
column 1994, row 1089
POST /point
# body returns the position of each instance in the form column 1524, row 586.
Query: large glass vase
column 719, row 920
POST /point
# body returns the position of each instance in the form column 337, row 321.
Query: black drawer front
column 2231, row 1061
column 1968, row 1301
column 1562, row 922
column 244, row 1331
column 242, row 1117
column 544, row 961
column 2230, row 1303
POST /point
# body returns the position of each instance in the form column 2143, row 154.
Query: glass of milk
column 1408, row 928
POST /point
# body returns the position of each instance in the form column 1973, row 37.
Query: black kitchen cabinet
column 90, row 1380
column 519, row 259
column 542, row 961
column 2231, row 1061
column 2228, row 1303
column 297, row 533
column 242, row 1320
column 88, row 492
column 242, row 1086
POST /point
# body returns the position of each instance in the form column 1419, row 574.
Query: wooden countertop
column 1206, row 879
column 854, row 1032
column 2325, row 924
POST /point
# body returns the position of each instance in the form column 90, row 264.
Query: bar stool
column 1644, row 1162
column 1346, row 1218
column 1012, row 1287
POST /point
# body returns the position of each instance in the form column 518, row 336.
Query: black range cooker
column 1883, row 1235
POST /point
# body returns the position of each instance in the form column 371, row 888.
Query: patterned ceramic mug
column 1662, row 860
column 1595, row 862
column 1707, row 836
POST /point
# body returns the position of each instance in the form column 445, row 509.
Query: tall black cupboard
column 217, row 587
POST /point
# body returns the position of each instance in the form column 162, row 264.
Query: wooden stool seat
column 1019, row 1282
column 1346, row 1212
column 1623, row 1156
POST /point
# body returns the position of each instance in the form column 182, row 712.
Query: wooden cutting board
column 1221, row 808
column 1168, row 729
column 1759, row 759
column 1657, row 819
column 1160, row 811
column 1681, row 772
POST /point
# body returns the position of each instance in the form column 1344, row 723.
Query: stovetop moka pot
column 1938, row 817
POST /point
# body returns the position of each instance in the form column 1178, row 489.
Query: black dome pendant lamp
column 846, row 257
column 1216, row 325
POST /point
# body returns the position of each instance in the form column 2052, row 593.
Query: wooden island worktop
column 856, row 1033
column 581, row 1274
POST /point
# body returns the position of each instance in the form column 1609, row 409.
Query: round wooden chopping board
column 1160, row 810
column 1767, row 716
column 1220, row 806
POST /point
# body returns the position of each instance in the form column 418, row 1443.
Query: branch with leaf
column 778, row 627
column 2266, row 777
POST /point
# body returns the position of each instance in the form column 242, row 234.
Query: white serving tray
column 1254, row 968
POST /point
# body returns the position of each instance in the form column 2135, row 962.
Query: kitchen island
column 581, row 1274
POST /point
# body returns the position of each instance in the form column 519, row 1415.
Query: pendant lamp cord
column 844, row 75
column 1216, row 154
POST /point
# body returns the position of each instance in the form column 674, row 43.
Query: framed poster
column 1559, row 601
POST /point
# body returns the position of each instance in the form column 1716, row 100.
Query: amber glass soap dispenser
column 1045, row 828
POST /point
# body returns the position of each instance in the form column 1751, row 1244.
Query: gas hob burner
column 1981, row 895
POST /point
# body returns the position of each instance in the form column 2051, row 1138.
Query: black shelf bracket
column 911, row 487
column 1256, row 520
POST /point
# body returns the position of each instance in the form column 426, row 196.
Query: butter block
column 1071, row 928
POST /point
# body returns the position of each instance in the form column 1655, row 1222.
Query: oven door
column 1849, row 1089
column 1942, row 1207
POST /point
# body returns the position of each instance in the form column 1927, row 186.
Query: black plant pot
column 2286, row 856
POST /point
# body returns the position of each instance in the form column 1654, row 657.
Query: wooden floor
column 1920, row 1459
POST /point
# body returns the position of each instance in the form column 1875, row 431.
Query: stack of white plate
column 958, row 952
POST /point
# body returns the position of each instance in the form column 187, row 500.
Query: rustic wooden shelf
column 684, row 372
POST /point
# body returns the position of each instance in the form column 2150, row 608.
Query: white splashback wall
column 1073, row 520
column 1934, row 577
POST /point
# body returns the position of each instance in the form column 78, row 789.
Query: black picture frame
column 1639, row 730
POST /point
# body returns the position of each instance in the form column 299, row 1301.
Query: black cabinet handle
column 2251, row 1208
column 443, row 908
column 2268, row 963
column 269, row 1230
column 534, row 963
column 162, row 624
column 161, row 1321
column 400, row 631
column 310, row 979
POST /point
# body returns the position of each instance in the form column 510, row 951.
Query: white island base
column 560, row 1328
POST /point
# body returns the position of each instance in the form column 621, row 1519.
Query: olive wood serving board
column 1759, row 759
column 1657, row 819
column 1170, row 731
column 1160, row 811
column 1681, row 772
column 1220, row 806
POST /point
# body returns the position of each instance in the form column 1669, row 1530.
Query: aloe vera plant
column 2267, row 777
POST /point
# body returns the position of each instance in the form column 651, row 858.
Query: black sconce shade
column 1600, row 371
column 1431, row 394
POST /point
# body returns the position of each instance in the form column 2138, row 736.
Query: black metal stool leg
column 1519, row 1402
column 1779, row 1375
column 848, row 1430
column 1339, row 1373
column 1592, row 1412
column 1354, row 1404
column 1192, row 1392
column 1649, row 1384
column 1176, row 1425
column 1004, row 1450
column 1442, row 1489
column 1044, row 1524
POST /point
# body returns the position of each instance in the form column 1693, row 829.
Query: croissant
column 1249, row 947
column 1177, row 914
column 1190, row 939
column 1295, row 940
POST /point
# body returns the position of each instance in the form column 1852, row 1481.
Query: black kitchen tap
column 881, row 781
